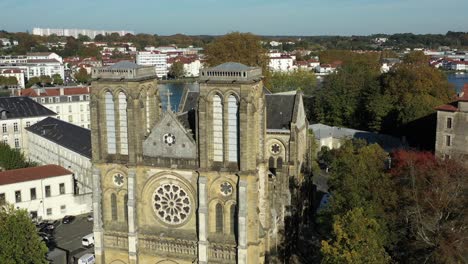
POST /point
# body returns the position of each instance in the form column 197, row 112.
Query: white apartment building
column 44, row 56
column 283, row 63
column 46, row 192
column 153, row 58
column 17, row 113
column 17, row 73
column 53, row 141
column 192, row 68
column 70, row 103
column 13, row 59
column 73, row 32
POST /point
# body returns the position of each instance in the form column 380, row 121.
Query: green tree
column 82, row 76
column 177, row 70
column 5, row 81
column 19, row 242
column 57, row 79
column 416, row 57
column 13, row 158
column 356, row 240
column 239, row 47
column 42, row 80
column 301, row 80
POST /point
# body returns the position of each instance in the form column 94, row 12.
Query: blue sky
column 215, row 17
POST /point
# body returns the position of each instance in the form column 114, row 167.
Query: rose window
column 275, row 148
column 226, row 188
column 169, row 139
column 118, row 179
column 172, row 204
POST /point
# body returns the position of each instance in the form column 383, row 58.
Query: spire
column 168, row 94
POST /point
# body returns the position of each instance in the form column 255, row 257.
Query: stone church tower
column 205, row 184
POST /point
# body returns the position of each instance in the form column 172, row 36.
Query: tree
column 57, row 79
column 244, row 48
column 13, row 158
column 356, row 239
column 19, row 242
column 416, row 57
column 177, row 70
column 301, row 80
column 358, row 179
column 10, row 80
column 434, row 198
column 41, row 80
column 82, row 76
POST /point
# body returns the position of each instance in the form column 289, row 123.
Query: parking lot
column 68, row 236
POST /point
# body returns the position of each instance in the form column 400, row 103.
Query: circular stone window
column 118, row 179
column 169, row 139
column 172, row 204
column 226, row 188
column 275, row 148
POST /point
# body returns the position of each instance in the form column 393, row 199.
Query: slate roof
column 65, row 134
column 21, row 107
column 190, row 102
column 31, row 174
column 125, row 65
column 231, row 66
column 280, row 110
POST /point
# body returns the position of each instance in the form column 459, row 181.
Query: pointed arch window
column 271, row 163
column 218, row 154
column 147, row 108
column 233, row 129
column 114, row 207
column 123, row 123
column 279, row 163
column 219, row 218
column 110, row 123
column 126, row 207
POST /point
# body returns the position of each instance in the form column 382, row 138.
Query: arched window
column 110, row 123
column 218, row 154
column 114, row 206
column 233, row 216
column 233, row 129
column 271, row 163
column 147, row 108
column 126, row 207
column 279, row 163
column 219, row 218
column 123, row 123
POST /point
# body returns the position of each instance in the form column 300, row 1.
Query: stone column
column 242, row 223
column 97, row 215
column 202, row 221
column 132, row 232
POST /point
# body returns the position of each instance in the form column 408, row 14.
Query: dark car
column 68, row 219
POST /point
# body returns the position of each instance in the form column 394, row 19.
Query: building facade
column 46, row 192
column 197, row 185
column 70, row 103
column 73, row 32
column 153, row 58
column 16, row 114
column 452, row 128
column 53, row 141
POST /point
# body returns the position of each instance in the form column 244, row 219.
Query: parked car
column 88, row 240
column 68, row 219
column 90, row 218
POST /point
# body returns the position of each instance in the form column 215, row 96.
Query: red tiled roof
column 44, row 61
column 464, row 96
column 31, row 174
column 447, row 107
column 453, row 107
column 55, row 91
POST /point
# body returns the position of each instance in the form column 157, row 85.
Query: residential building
column 53, row 141
column 8, row 42
column 46, row 192
column 153, row 58
column 44, row 56
column 213, row 178
column 35, row 64
column 69, row 32
column 284, row 63
column 16, row 114
column 70, row 103
column 192, row 65
column 17, row 73
column 452, row 128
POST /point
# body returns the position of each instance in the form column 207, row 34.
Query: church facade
column 208, row 183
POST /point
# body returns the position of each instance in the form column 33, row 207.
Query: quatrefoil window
column 118, row 179
column 172, row 204
column 275, row 148
column 169, row 139
column 226, row 188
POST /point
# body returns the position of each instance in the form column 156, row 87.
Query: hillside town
column 97, row 125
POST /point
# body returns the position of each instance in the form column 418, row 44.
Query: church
column 207, row 183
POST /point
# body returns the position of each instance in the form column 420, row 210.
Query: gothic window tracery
column 218, row 152
column 219, row 218
column 233, row 128
column 172, row 204
column 123, row 123
column 110, row 123
column 114, row 207
column 226, row 188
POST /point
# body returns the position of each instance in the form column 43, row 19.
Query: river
column 458, row 80
column 176, row 90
